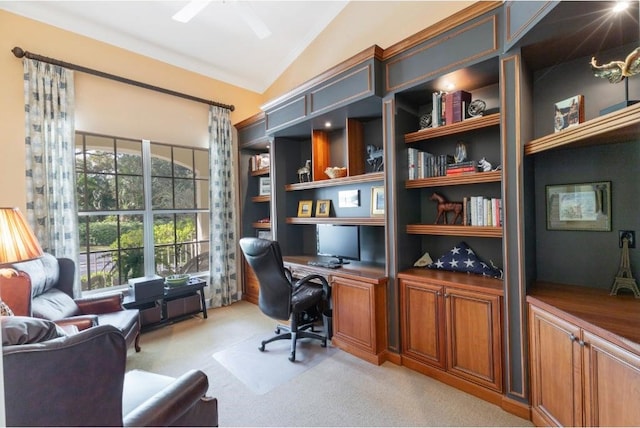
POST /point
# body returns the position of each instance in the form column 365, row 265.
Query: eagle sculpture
column 616, row 71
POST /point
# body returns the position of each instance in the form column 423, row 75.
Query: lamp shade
column 17, row 241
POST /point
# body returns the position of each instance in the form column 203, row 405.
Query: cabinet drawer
column 183, row 305
column 151, row 315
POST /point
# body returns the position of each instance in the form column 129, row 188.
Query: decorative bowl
column 336, row 172
column 177, row 280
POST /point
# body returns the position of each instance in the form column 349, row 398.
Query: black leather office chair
column 280, row 297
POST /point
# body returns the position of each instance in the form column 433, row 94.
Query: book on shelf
column 260, row 161
column 455, row 106
column 481, row 211
column 462, row 167
column 423, row 164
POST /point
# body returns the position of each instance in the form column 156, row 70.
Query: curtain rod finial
column 18, row 52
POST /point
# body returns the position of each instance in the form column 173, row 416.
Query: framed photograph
column 349, row 198
column 264, row 186
column 304, row 208
column 264, row 234
column 323, row 206
column 582, row 206
column 569, row 112
column 377, row 201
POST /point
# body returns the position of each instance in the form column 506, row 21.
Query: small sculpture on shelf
column 624, row 278
column 476, row 108
column 461, row 152
column 304, row 172
column 445, row 207
column 616, row 71
column 374, row 157
column 485, row 165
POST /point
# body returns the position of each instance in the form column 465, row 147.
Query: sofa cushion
column 43, row 272
column 54, row 305
column 19, row 330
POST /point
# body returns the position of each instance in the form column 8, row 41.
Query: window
column 143, row 209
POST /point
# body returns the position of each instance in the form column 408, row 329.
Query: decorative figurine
column 444, row 207
column 485, row 165
column 425, row 121
column 305, row 171
column 616, row 71
column 476, row 108
column 624, row 278
column 375, row 157
column 461, row 152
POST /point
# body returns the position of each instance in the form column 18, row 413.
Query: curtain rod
column 19, row 53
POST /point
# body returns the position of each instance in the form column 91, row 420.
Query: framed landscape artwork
column 583, row 206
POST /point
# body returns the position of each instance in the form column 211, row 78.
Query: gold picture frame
column 377, row 201
column 580, row 206
column 323, row 207
column 304, row 208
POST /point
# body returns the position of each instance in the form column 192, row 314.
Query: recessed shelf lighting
column 327, row 124
column 620, row 6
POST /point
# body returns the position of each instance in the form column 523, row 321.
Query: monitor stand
column 339, row 261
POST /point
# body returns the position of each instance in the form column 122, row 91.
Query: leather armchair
column 49, row 283
column 52, row 379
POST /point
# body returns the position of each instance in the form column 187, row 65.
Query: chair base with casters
column 280, row 297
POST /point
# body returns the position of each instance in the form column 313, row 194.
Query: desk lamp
column 17, row 241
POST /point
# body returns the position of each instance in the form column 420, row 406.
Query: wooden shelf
column 262, row 171
column 362, row 178
column 261, row 198
column 454, row 180
column 454, row 230
column 454, row 128
column 357, row 221
column 258, row 225
column 619, row 126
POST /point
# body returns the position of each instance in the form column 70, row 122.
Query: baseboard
column 394, row 357
column 516, row 407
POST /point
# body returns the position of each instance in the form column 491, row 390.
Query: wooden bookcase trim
column 261, row 198
column 258, row 225
column 619, row 126
column 455, row 180
column 454, row 230
column 454, row 128
column 362, row 178
column 357, row 221
column 456, row 279
column 262, row 171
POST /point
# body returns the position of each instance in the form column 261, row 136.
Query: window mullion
column 149, row 249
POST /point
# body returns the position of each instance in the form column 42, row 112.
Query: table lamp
column 17, row 241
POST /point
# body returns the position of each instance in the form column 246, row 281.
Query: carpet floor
column 324, row 387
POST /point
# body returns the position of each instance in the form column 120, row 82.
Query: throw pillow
column 18, row 330
column 5, row 310
column 461, row 258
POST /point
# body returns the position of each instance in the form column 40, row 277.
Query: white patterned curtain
column 50, row 144
column 222, row 232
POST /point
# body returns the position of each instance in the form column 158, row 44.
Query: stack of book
column 482, row 211
column 424, row 164
column 467, row 167
column 449, row 108
column 259, row 161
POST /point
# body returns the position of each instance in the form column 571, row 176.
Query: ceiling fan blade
column 254, row 22
column 190, row 10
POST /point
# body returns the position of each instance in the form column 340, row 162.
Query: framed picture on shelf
column 377, row 201
column 264, row 187
column 304, row 208
column 264, row 234
column 583, row 206
column 349, row 198
column 569, row 112
column 323, row 206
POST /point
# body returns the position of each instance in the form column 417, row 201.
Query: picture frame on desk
column 264, row 187
column 304, row 208
column 580, row 206
column 377, row 201
column 323, row 206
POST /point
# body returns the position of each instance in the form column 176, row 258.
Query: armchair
column 43, row 288
column 280, row 297
column 52, row 379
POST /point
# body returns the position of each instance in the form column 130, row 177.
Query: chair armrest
column 323, row 281
column 82, row 322
column 15, row 291
column 100, row 303
column 183, row 402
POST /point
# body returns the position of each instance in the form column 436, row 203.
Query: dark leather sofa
column 54, row 379
column 49, row 283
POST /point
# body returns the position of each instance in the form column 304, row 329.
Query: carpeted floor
column 325, row 387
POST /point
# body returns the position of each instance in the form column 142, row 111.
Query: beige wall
column 102, row 105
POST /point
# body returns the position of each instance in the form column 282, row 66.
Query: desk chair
column 281, row 298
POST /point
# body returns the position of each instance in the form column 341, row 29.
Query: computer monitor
column 339, row 241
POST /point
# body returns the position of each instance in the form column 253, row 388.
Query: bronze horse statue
column 444, row 207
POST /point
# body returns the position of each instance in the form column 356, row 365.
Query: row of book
column 449, row 107
column 482, row 211
column 259, row 161
column 423, row 164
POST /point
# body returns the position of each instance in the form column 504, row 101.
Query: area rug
column 263, row 371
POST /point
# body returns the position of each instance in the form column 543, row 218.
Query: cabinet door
column 556, row 370
column 474, row 350
column 422, row 321
column 612, row 384
column 354, row 313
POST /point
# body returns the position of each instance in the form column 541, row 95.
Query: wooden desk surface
column 359, row 271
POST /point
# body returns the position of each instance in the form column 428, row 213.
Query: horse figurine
column 375, row 157
column 444, row 207
column 305, row 171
